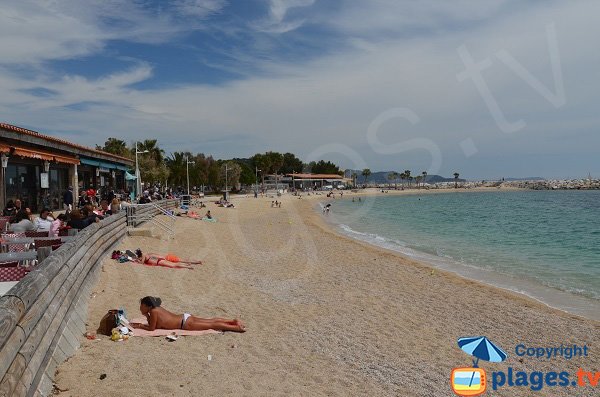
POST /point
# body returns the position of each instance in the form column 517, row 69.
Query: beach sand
column 326, row 316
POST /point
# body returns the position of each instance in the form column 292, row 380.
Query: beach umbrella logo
column 471, row 381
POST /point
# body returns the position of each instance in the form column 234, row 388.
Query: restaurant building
column 38, row 169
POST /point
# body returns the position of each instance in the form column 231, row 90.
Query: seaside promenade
column 326, row 316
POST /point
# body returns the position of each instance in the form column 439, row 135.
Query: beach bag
column 108, row 322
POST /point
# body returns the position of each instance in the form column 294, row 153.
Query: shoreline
column 549, row 297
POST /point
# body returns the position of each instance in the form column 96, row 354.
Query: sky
column 489, row 89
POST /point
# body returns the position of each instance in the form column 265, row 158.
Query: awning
column 4, row 148
column 103, row 164
column 66, row 160
column 122, row 167
column 34, row 154
column 129, row 176
column 86, row 161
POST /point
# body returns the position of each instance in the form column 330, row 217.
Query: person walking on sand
column 159, row 318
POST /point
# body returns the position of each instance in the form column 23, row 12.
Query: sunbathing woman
column 159, row 318
column 169, row 260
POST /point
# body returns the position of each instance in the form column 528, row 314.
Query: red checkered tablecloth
column 12, row 273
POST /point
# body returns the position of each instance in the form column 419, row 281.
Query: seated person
column 57, row 224
column 104, row 210
column 10, row 209
column 115, row 206
column 159, row 318
column 21, row 223
column 208, row 215
column 78, row 221
column 44, row 222
column 83, row 199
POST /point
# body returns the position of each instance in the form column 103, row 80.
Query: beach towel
column 166, row 332
column 213, row 220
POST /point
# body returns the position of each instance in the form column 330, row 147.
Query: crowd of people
column 89, row 209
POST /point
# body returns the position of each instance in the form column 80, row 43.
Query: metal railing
column 138, row 214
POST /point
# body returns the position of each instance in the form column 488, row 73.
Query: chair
column 17, row 247
column 47, row 242
column 12, row 273
column 25, row 260
column 13, row 235
column 4, row 223
column 36, row 234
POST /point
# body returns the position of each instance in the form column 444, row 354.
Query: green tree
column 456, row 175
column 390, row 177
column 177, row 166
column 366, row 173
column 291, row 164
column 424, row 173
column 323, row 167
column 407, row 176
column 229, row 174
column 154, row 151
column 115, row 146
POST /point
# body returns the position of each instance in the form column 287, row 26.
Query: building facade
column 38, row 169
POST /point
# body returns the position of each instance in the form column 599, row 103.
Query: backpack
column 108, row 322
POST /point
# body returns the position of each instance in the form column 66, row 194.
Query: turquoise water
column 542, row 243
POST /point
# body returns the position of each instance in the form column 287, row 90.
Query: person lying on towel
column 159, row 318
column 169, row 260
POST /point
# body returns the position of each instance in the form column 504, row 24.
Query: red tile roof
column 25, row 131
column 316, row 176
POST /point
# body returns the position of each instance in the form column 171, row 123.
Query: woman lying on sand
column 159, row 318
column 169, row 260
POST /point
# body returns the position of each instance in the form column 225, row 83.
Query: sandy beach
column 326, row 316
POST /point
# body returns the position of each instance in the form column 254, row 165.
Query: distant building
column 38, row 169
column 315, row 181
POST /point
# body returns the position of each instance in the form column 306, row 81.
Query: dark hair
column 22, row 214
column 151, row 301
column 45, row 210
column 62, row 217
column 10, row 204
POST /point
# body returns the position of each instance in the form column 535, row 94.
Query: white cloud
column 36, row 31
column 278, row 21
column 333, row 99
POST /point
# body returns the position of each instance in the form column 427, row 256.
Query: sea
column 544, row 244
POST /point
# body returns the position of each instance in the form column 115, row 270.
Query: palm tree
column 154, row 151
column 366, row 172
column 390, row 177
column 424, row 173
column 418, row 179
column 407, row 176
column 456, row 175
column 178, row 168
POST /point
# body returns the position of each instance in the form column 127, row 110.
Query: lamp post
column 256, row 180
column 138, row 178
column 187, row 165
column 4, row 158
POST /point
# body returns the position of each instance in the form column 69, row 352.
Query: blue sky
column 383, row 84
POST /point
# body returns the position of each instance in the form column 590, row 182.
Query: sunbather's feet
column 240, row 324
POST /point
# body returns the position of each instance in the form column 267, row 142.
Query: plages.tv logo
column 471, row 381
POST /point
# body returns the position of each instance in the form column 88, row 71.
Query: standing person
column 44, row 222
column 68, row 199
